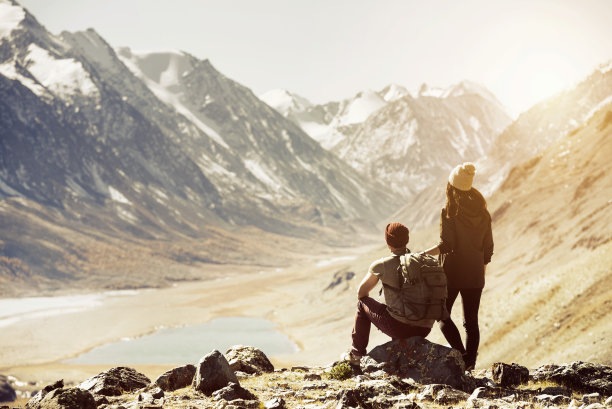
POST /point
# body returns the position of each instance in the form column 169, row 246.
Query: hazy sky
column 522, row 50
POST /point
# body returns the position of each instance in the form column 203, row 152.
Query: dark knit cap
column 397, row 235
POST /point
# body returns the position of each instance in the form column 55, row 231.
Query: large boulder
column 176, row 378
column 510, row 375
column 579, row 376
column 57, row 397
column 423, row 361
column 115, row 382
column 213, row 373
column 248, row 359
column 7, row 393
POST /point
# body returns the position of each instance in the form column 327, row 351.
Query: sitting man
column 370, row 311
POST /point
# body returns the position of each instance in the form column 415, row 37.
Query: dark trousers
column 471, row 302
column 370, row 311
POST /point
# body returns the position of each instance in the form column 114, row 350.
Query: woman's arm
column 434, row 251
column 366, row 285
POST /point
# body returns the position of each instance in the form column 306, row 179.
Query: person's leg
column 448, row 327
column 368, row 311
column 471, row 305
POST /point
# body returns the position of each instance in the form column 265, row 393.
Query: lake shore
column 34, row 347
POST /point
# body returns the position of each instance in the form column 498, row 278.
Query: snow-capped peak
column 361, row 107
column 11, row 16
column 165, row 68
column 393, row 92
column 284, row 101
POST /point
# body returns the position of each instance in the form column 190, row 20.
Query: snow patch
column 63, row 77
column 262, row 174
column 605, row 68
column 9, row 70
column 394, row 92
column 364, row 105
column 117, row 196
column 126, row 215
column 10, row 18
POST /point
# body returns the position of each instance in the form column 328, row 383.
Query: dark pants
column 370, row 311
column 471, row 302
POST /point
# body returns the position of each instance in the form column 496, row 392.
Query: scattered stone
column 510, row 375
column 430, row 392
column 556, row 400
column 556, row 390
column 115, row 382
column 312, row 377
column 213, row 373
column 158, row 393
column 450, row 396
column 423, row 361
column 595, row 406
column 372, row 388
column 61, row 398
column 7, row 393
column 591, row 398
column 312, row 386
column 232, row 392
column 43, row 392
column 300, row 369
column 248, row 359
column 578, row 376
column 101, row 400
column 241, row 403
column 176, row 378
column 275, row 403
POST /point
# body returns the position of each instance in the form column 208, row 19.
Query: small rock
column 510, row 375
column 232, row 392
column 158, row 393
column 578, row 376
column 176, row 378
column 595, row 406
column 556, row 390
column 312, row 386
column 241, row 403
column 213, row 373
column 591, row 398
column 312, row 377
column 248, row 359
column 450, row 396
column 430, row 392
column 556, row 399
column 608, row 401
column 7, row 393
column 60, row 398
column 275, row 403
column 115, row 382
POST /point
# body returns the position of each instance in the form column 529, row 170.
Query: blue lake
column 188, row 344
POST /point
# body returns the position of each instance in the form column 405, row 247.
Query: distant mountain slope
column 153, row 147
column 552, row 225
column 403, row 140
column 532, row 133
column 544, row 123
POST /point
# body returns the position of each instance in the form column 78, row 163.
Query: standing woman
column 466, row 247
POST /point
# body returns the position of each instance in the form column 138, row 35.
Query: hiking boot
column 351, row 358
column 470, row 362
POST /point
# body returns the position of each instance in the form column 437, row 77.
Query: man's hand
column 366, row 285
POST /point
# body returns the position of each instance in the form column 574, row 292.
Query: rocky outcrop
column 510, row 375
column 176, row 378
column 248, row 359
column 233, row 391
column 115, row 381
column 57, row 397
column 7, row 393
column 213, row 373
column 578, row 376
column 413, row 357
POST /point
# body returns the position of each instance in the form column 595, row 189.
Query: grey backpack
column 422, row 288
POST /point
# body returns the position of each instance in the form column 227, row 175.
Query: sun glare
column 539, row 75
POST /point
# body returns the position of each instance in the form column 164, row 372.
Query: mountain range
column 405, row 140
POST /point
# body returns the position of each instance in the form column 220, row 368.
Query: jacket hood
column 471, row 211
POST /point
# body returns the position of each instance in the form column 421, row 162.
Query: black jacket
column 466, row 245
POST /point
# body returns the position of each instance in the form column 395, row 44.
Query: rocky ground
column 411, row 373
